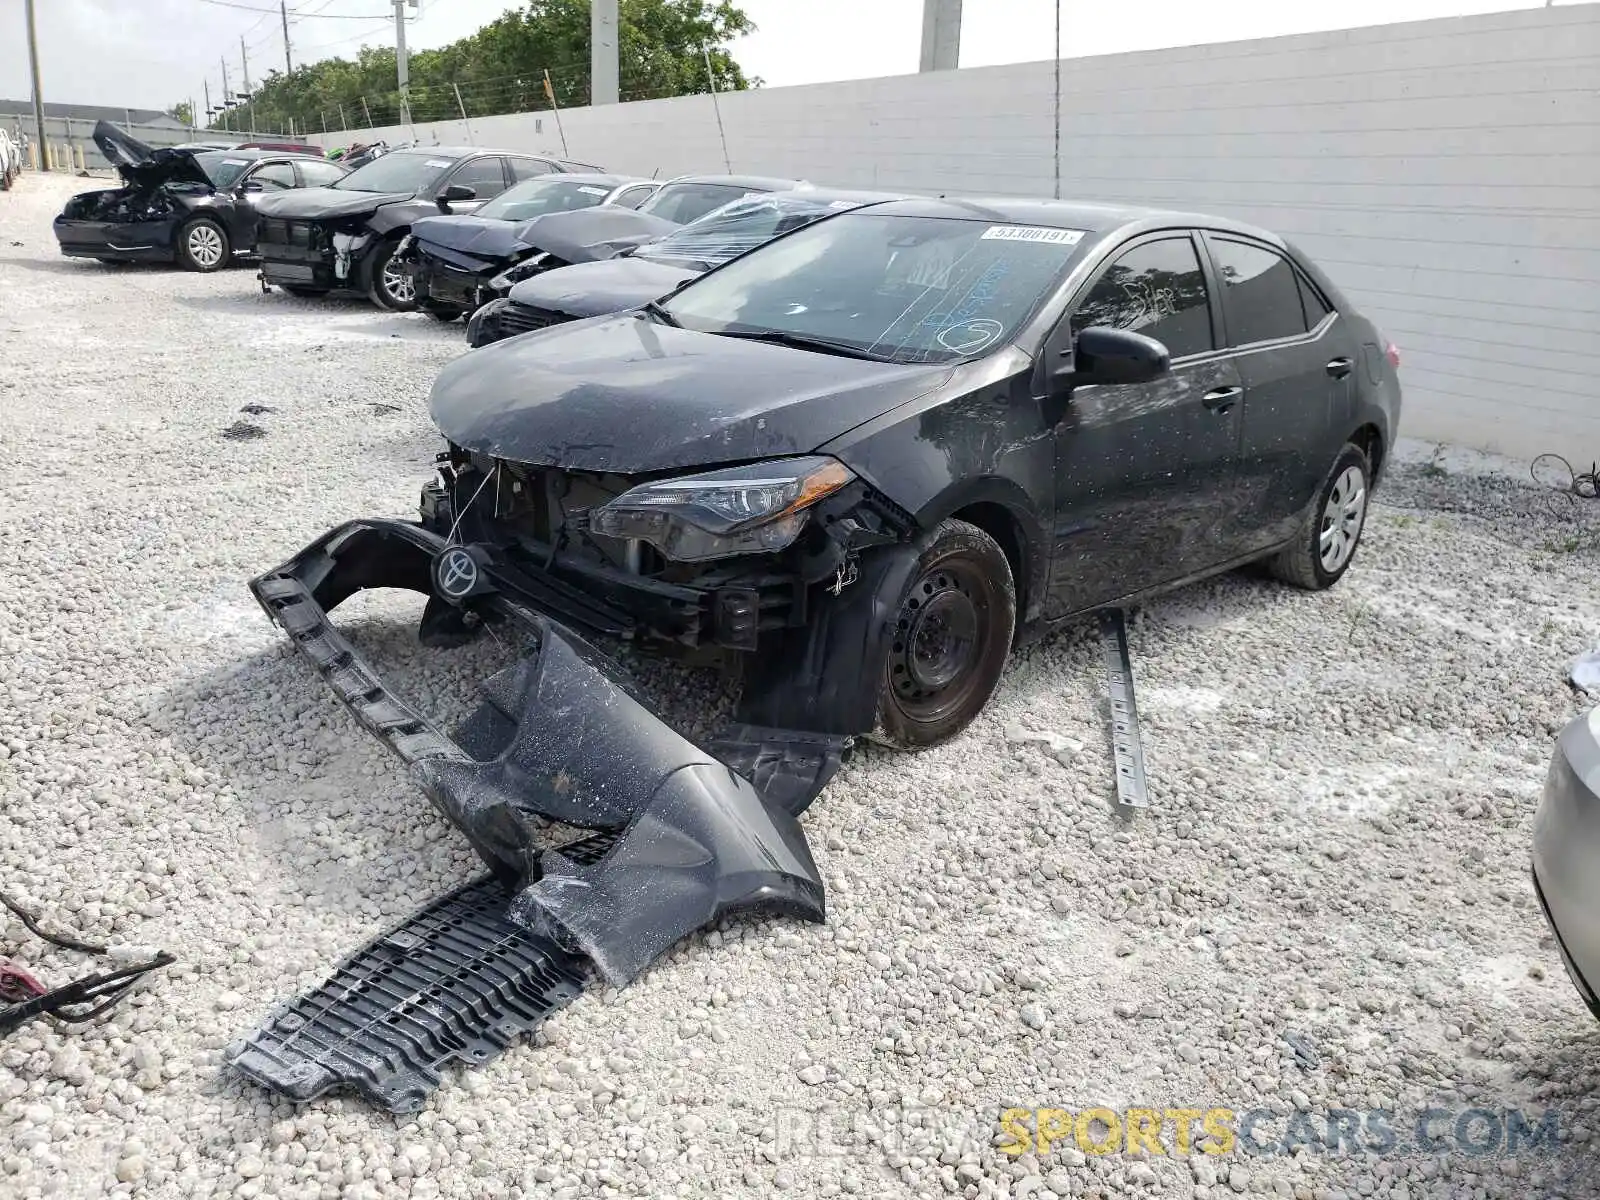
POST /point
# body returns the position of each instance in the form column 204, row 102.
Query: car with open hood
column 344, row 237
column 657, row 267
column 453, row 259
column 562, row 239
column 195, row 208
column 867, row 458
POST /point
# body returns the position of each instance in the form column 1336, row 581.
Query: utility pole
column 401, row 63
column 603, row 72
column 206, row 84
column 283, row 11
column 227, row 94
column 941, row 35
column 245, row 55
column 38, row 96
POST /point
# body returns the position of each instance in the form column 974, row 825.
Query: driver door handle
column 1340, row 367
column 1221, row 399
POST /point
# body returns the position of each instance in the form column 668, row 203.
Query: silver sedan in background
column 1566, row 853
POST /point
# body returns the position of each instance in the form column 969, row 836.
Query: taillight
column 1392, row 353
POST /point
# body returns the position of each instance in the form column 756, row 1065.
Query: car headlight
column 756, row 509
column 483, row 326
column 525, row 269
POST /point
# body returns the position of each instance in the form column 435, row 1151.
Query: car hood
column 594, row 288
column 144, row 166
column 590, row 234
column 326, row 203
column 631, row 395
column 481, row 237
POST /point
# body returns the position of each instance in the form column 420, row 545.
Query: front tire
column 953, row 628
column 203, row 245
column 442, row 312
column 1326, row 543
column 392, row 287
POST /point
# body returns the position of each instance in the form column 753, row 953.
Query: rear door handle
column 1340, row 367
column 1221, row 399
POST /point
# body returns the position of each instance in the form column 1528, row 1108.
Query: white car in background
column 10, row 160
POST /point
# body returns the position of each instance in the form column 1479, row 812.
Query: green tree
column 662, row 47
column 182, row 112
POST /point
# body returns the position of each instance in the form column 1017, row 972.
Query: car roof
column 599, row 178
column 756, row 183
column 1099, row 219
column 827, row 195
column 256, row 153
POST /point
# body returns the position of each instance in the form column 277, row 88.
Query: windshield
column 539, row 196
column 397, row 172
column 681, row 203
column 906, row 289
column 729, row 231
column 221, row 167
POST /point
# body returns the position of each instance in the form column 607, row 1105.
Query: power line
column 299, row 14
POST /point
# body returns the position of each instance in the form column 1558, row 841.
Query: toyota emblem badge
column 455, row 573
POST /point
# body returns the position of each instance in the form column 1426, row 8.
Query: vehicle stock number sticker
column 1027, row 233
column 593, row 191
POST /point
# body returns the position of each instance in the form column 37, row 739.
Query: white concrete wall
column 1445, row 173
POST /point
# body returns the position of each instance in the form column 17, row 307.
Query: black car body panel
column 687, row 397
column 163, row 188
column 329, row 238
column 597, row 288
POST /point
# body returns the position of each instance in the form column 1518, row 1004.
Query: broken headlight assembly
column 526, row 269
column 756, row 509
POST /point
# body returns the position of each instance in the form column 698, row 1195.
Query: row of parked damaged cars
column 858, row 446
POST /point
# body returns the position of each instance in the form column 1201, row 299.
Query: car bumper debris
column 558, row 738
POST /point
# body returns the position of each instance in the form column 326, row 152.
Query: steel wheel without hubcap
column 950, row 638
column 1342, row 517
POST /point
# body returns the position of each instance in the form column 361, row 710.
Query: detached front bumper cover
column 558, row 737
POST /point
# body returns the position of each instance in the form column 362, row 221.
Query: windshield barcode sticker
column 236, row 162
column 593, row 191
column 1027, row 233
column 438, row 162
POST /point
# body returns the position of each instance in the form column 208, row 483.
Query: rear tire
column 203, row 245
column 953, row 628
column 1330, row 534
column 391, row 287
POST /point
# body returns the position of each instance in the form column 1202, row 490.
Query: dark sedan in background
column 343, row 238
column 453, row 259
column 655, row 268
column 1566, row 854
column 562, row 239
column 192, row 207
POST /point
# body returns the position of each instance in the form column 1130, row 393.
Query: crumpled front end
column 558, row 739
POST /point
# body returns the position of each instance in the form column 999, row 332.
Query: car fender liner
column 559, row 737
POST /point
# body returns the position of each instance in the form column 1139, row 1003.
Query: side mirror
column 252, row 185
column 1105, row 355
column 456, row 191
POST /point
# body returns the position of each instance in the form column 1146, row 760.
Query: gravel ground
column 1327, row 906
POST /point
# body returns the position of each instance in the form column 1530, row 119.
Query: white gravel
column 1343, row 786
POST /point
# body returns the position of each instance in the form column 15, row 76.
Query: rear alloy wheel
column 203, row 245
column 1325, row 545
column 392, row 285
column 953, row 627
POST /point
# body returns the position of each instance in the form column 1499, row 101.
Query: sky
column 154, row 53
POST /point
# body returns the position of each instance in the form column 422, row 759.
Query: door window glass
column 532, row 168
column 275, row 177
column 485, row 176
column 1314, row 305
column 1261, row 292
column 1156, row 289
